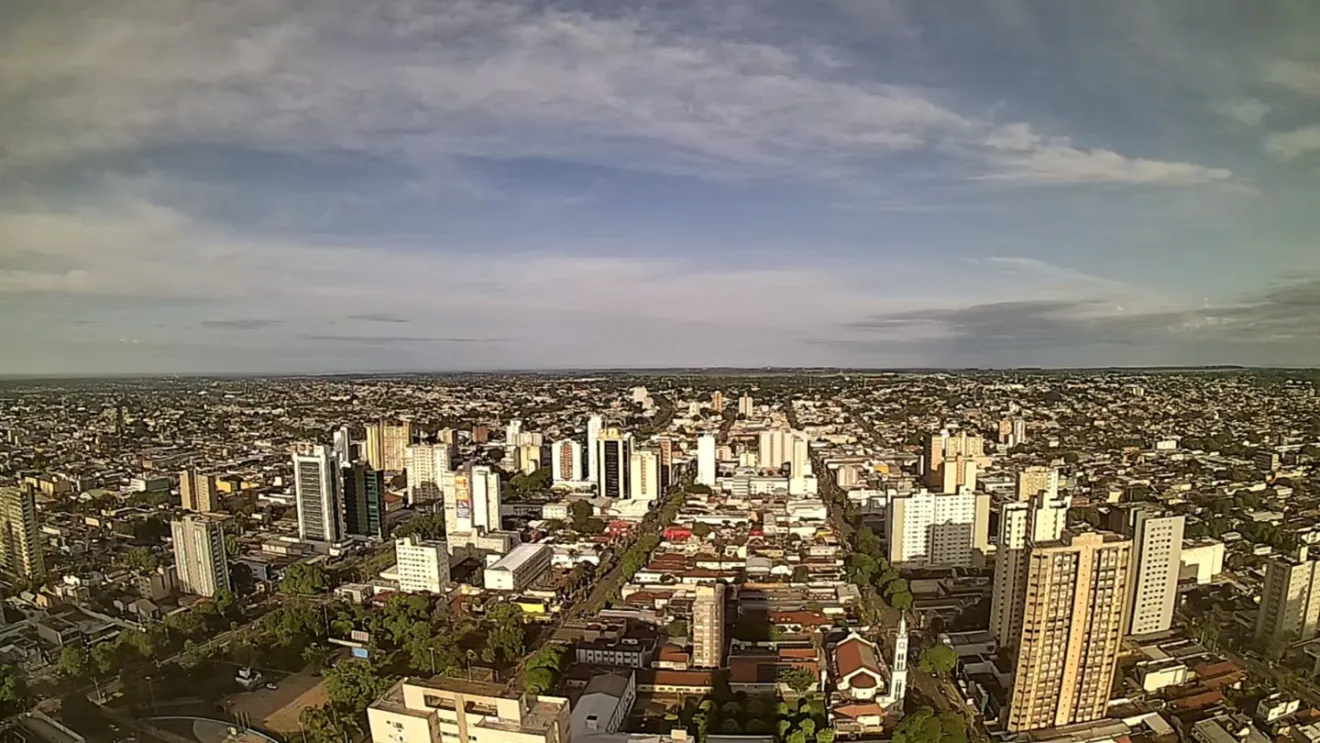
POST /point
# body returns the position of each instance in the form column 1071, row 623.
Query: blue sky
column 273, row 186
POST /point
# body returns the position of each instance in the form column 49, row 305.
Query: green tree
column 938, row 659
column 677, row 628
column 579, row 511
column 730, row 726
column 784, row 726
column 801, row 574
column 74, row 662
column 506, row 637
column 808, row 728
column 825, row 735
column 898, row 585
column 797, row 736
column 141, row 559
column 901, row 601
column 232, row 548
column 354, row 684
column 798, row 679
column 867, row 542
column 13, row 691
column 302, row 579
column 538, row 681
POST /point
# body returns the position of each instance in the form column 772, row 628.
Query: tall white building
column 706, row 470
column 613, row 449
column 342, row 447
column 474, row 504
column 1037, row 517
column 199, row 555
column 422, row 566
column 566, row 459
column 644, row 475
column 427, row 465
column 594, row 426
column 800, row 464
column 1289, row 598
column 746, row 406
column 708, row 626
column 774, row 447
column 511, row 431
column 316, row 489
column 1156, row 561
column 933, row 528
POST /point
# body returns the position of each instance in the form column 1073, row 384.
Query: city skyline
column 268, row 188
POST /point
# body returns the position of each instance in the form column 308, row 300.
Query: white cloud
column 1293, row 144
column 1299, row 77
column 1245, row 111
column 1019, row 154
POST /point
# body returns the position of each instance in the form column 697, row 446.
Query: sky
column 268, row 186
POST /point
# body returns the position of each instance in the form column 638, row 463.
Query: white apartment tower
column 644, row 475
column 316, row 489
column 800, row 465
column 199, row 555
column 594, row 426
column 1290, row 598
column 566, row 459
column 706, row 460
column 198, row 492
column 422, row 566
column 932, row 529
column 474, row 504
column 427, row 465
column 746, row 406
column 1156, row 561
column 1038, row 516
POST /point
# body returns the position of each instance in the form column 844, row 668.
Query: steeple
column 898, row 676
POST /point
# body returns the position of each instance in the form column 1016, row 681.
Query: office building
column 1289, row 598
column 613, row 449
column 1038, row 516
column 198, row 492
column 427, row 465
column 746, row 407
column 387, row 445
column 936, row 529
column 364, row 500
column 644, row 475
column 952, row 460
column 199, row 555
column 20, row 533
column 566, row 459
column 706, row 469
column 708, row 626
column 474, row 504
column 665, row 450
column 1156, row 561
column 422, row 565
column 461, row 711
column 594, row 427
column 520, row 568
column 799, row 465
column 1072, row 630
column 342, row 446
column 316, row 489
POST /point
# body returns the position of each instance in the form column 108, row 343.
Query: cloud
column 389, row 340
column 1293, row 144
column 378, row 317
column 1024, row 156
column 1299, row 77
column 239, row 324
column 1250, row 112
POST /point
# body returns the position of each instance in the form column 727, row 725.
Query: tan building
column 20, row 533
column 952, row 460
column 1072, row 630
column 1156, row 560
column 198, row 492
column 199, row 555
column 387, row 445
column 708, row 626
column 644, row 475
column 1290, row 598
column 1038, row 516
column 457, row 711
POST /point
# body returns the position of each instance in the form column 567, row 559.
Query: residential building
column 706, row 470
column 527, row 458
column 1202, row 559
column 774, row 448
column 644, row 475
column 746, row 406
column 20, row 533
column 316, row 491
column 1290, row 598
column 387, row 445
column 364, row 500
column 928, row 528
column 799, row 465
column 199, row 555
column 594, row 427
column 198, row 492
column 1157, row 546
column 1037, row 517
column 427, row 465
column 422, row 565
column 566, row 459
column 613, row 448
column 342, row 446
column 461, row 711
column 951, row 460
column 1072, row 630
column 717, row 401
column 520, row 568
column 474, row 504
column 708, row 626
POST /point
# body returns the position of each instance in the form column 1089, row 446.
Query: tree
column 784, row 726
column 231, row 545
column 867, row 542
column 13, row 691
column 225, row 604
column 938, row 659
column 924, row 726
column 808, row 728
column 354, row 684
column 825, row 735
column 506, row 637
column 797, row 736
column 898, row 585
column 538, row 681
column 798, row 679
column 730, row 726
column 141, row 559
column 74, row 662
column 901, row 601
column 302, row 579
column 801, row 574
column 701, row 530
column 579, row 511
column 677, row 628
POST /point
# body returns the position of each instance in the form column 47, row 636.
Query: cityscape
column 672, row 556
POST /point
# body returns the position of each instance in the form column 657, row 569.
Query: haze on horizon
column 264, row 186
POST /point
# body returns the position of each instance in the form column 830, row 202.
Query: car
column 272, row 686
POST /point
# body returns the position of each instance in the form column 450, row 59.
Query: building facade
column 427, row 465
column 198, row 492
column 708, row 626
column 520, row 568
column 387, row 445
column 1156, row 561
column 644, row 475
column 459, row 711
column 473, row 506
column 199, row 555
column 316, row 490
column 566, row 459
column 364, row 501
column 20, row 533
column 706, row 467
column 422, row 565
column 928, row 528
column 613, row 450
column 1290, row 598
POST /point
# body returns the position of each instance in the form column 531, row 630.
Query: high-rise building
column 613, row 448
column 665, row 450
column 528, row 459
column 644, row 475
column 774, row 448
column 708, row 626
column 20, row 533
column 199, row 555
column 417, row 710
column 717, row 401
column 1289, row 598
column 799, row 464
column 474, row 504
column 198, row 492
column 952, row 460
column 422, row 565
column 426, row 465
column 387, row 445
column 364, row 500
column 316, row 490
column 1072, row 630
column 932, row 529
column 746, row 406
column 512, row 430
column 1038, row 516
column 566, row 459
column 594, row 424
column 1156, row 562
column 706, row 470
column 342, row 446
column 480, row 433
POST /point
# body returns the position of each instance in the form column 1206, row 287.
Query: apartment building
column 422, row 565
column 445, row 710
column 708, row 626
